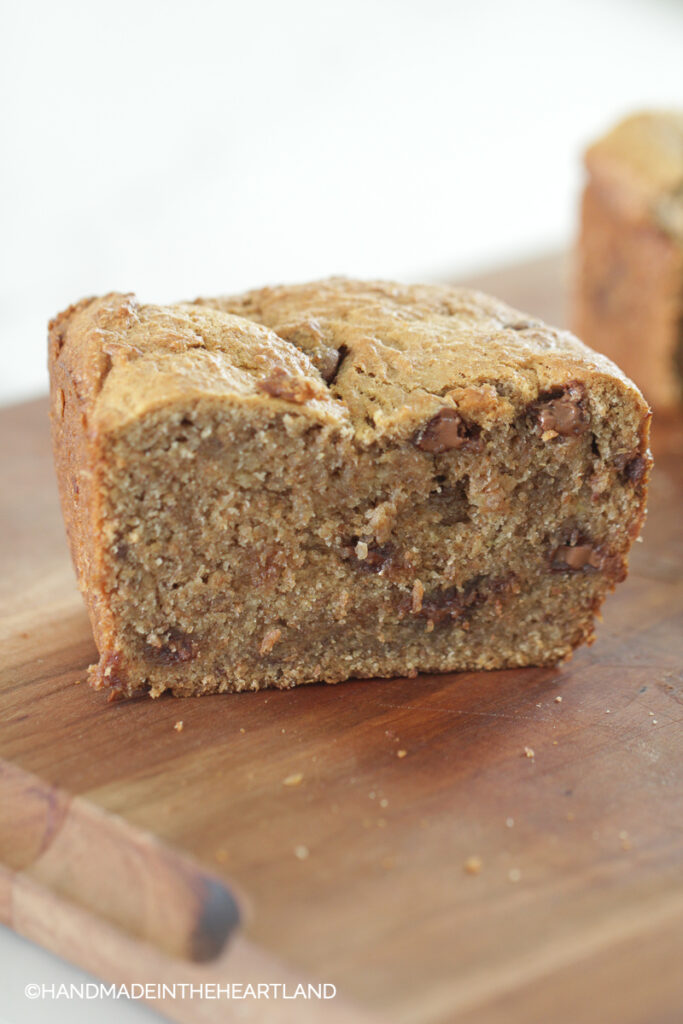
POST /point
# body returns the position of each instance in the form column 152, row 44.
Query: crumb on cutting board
column 473, row 865
column 295, row 779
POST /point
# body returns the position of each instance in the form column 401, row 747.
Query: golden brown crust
column 402, row 353
column 410, row 351
column 128, row 358
column 75, row 455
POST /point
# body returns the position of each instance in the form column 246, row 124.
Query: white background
column 177, row 148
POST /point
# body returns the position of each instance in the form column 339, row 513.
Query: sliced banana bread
column 339, row 479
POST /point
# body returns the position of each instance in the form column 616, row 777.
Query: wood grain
column 356, row 875
column 50, row 837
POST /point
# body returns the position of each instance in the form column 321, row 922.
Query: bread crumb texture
column 339, row 479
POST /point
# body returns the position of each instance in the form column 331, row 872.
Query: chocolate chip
column 634, row 470
column 121, row 550
column 290, row 389
column 377, row 560
column 327, row 363
column 578, row 553
column 444, row 431
column 449, row 603
column 178, row 648
column 316, row 339
column 451, row 504
column 211, row 447
column 631, row 468
column 563, row 411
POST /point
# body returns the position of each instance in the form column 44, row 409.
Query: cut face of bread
column 338, row 480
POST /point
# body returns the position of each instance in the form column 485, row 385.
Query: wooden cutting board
column 146, row 852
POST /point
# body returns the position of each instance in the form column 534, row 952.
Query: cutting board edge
column 111, row 869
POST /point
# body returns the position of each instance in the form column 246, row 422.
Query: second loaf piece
column 629, row 287
column 338, row 479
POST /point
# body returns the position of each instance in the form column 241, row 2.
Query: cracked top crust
column 374, row 358
column 642, row 158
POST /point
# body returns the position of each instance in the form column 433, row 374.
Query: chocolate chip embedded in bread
column 327, row 363
column 562, row 411
column 635, row 469
column 446, row 604
column 178, row 648
column 378, row 559
column 449, row 604
column 314, row 337
column 290, row 389
column 369, row 558
column 580, row 554
column 631, row 467
column 445, row 430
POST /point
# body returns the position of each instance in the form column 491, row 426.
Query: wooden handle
column 110, row 868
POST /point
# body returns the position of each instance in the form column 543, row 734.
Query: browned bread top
column 379, row 359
